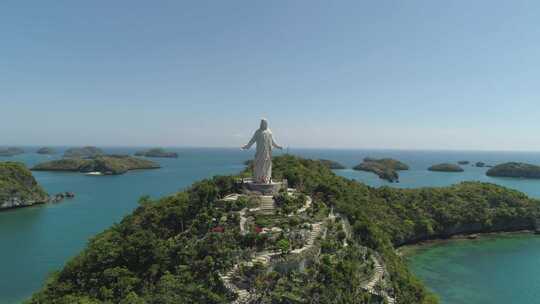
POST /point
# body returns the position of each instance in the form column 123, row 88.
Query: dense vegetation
column 385, row 168
column 332, row 164
column 157, row 152
column 106, row 164
column 46, row 150
column 17, row 183
column 84, row 152
column 388, row 162
column 166, row 252
column 514, row 169
column 11, row 151
column 446, row 168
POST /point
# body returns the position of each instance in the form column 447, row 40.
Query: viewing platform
column 272, row 188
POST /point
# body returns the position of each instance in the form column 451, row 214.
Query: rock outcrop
column 18, row 188
column 480, row 164
column 61, row 196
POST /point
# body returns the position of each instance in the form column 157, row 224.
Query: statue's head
column 264, row 124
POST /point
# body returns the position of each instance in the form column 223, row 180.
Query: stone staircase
column 243, row 295
column 243, row 221
column 304, row 208
column 316, row 230
column 267, row 205
column 377, row 278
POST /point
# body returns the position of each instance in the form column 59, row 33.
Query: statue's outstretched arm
column 275, row 145
column 251, row 142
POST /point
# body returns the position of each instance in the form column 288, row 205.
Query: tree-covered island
column 332, row 164
column 84, row 152
column 385, row 168
column 12, row 151
column 157, row 152
column 46, row 150
column 330, row 240
column 515, row 169
column 446, row 167
column 18, row 188
column 103, row 164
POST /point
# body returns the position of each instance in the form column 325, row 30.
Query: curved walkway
column 264, row 257
column 376, row 279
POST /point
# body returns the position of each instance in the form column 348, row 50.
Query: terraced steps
column 316, row 230
column 377, row 278
column 267, row 205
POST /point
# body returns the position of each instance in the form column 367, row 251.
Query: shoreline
column 409, row 250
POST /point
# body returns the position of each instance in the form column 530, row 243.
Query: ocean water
column 491, row 270
column 38, row 240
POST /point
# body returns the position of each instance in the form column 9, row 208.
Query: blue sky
column 340, row 74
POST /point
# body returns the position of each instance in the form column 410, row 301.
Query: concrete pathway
column 377, row 278
column 267, row 206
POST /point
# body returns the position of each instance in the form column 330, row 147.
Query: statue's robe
column 262, row 164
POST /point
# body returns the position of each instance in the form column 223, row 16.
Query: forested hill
column 410, row 215
column 166, row 251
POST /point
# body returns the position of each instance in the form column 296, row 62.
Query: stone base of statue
column 251, row 187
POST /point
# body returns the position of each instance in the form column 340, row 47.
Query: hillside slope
column 167, row 251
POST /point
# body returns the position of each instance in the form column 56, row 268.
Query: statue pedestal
column 249, row 186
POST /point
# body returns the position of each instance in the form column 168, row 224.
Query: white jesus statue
column 262, row 165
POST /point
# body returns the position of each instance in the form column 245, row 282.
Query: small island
column 157, row 152
column 18, row 188
column 463, row 162
column 84, row 152
column 480, row 164
column 100, row 165
column 334, row 165
column 446, row 167
column 46, row 151
column 11, row 151
column 385, row 168
column 515, row 169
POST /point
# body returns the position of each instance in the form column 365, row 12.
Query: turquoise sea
column 38, row 240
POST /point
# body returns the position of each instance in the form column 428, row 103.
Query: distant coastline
column 409, row 250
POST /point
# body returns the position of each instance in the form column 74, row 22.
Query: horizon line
column 285, row 148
